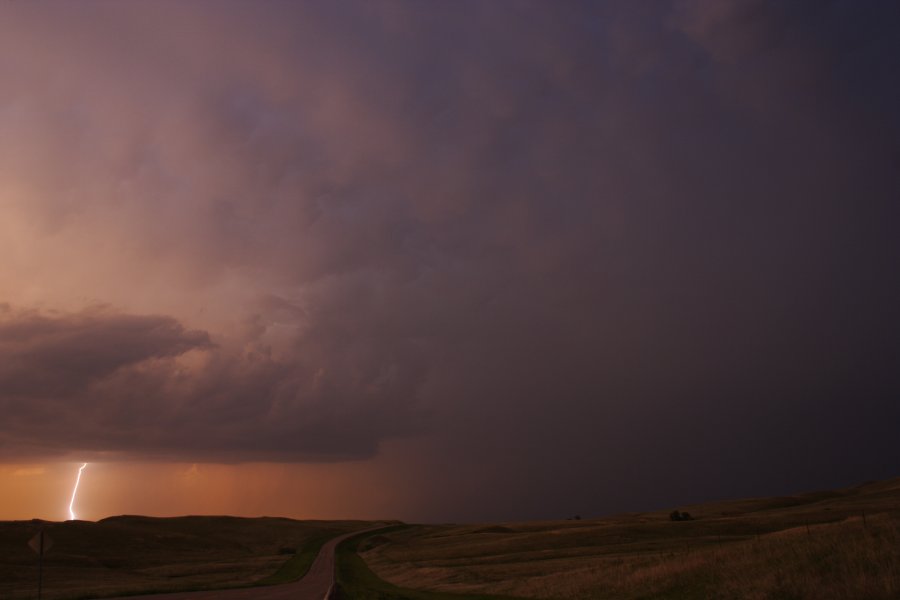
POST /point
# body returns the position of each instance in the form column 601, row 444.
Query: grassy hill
column 131, row 554
column 839, row 544
column 835, row 544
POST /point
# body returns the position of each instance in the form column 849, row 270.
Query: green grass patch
column 357, row 581
column 298, row 565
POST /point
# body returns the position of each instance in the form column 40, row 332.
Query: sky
column 445, row 261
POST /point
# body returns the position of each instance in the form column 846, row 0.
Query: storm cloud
column 654, row 243
column 106, row 383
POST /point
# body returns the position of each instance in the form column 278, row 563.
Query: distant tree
column 675, row 515
column 686, row 517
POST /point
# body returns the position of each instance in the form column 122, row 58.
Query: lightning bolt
column 75, row 491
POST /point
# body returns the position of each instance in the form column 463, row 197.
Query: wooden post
column 41, row 564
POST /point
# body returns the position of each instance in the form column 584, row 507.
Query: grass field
column 357, row 582
column 830, row 545
column 124, row 555
column 842, row 544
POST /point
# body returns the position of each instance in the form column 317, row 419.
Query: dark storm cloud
column 648, row 242
column 60, row 355
column 103, row 382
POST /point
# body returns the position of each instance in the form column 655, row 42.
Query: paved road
column 314, row 585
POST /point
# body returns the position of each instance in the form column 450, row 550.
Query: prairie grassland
column 127, row 555
column 355, row 581
column 828, row 545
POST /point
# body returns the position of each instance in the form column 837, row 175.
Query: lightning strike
column 74, row 492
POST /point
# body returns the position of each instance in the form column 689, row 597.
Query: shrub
column 680, row 516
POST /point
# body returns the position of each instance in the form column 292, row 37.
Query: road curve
column 313, row 586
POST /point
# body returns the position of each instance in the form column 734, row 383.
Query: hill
column 129, row 554
column 820, row 545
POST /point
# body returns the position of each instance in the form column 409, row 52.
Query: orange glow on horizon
column 359, row 489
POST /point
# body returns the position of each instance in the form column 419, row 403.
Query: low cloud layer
column 541, row 239
column 108, row 384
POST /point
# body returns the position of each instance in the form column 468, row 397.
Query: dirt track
column 314, row 585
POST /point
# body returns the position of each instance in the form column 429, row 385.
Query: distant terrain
column 132, row 554
column 839, row 544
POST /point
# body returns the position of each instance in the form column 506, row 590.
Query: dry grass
column 126, row 555
column 811, row 546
